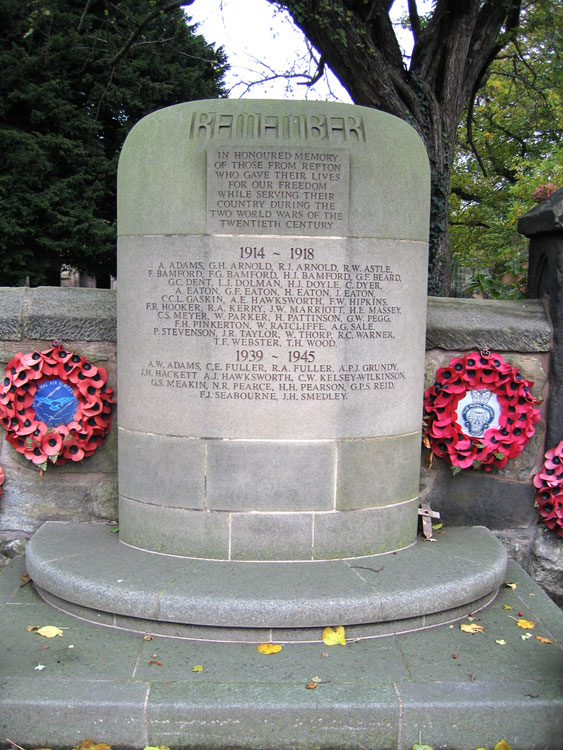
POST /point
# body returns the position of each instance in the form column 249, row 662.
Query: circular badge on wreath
column 549, row 489
column 55, row 405
column 479, row 412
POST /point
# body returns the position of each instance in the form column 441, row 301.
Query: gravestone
column 271, row 330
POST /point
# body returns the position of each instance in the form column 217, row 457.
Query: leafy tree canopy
column 509, row 146
column 453, row 48
column 76, row 76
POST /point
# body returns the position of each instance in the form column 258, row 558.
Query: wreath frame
column 30, row 435
column 478, row 371
column 549, row 489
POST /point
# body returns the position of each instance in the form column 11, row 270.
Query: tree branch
column 144, row 22
column 414, row 19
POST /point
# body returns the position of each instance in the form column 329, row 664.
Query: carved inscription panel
column 277, row 190
column 272, row 337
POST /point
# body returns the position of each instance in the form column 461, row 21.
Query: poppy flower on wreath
column 55, row 406
column 549, row 489
column 479, row 412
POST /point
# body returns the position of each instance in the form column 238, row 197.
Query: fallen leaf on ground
column 29, row 628
column 89, row 744
column 311, row 685
column 526, row 636
column 269, row 648
column 501, row 642
column 49, row 631
column 471, row 627
column 526, row 624
column 154, row 661
column 39, row 667
column 422, row 747
column 147, row 638
column 333, row 637
column 543, row 640
column 506, row 606
column 437, row 526
column 197, row 668
column 25, row 580
column 502, row 745
column 510, row 585
column 154, row 747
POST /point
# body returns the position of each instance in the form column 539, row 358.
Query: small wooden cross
column 427, row 515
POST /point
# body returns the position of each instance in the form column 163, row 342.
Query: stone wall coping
column 65, row 313
column 498, row 325
column 85, row 314
column 547, row 216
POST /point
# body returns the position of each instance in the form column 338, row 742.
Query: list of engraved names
column 273, row 321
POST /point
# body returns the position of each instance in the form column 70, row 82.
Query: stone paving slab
column 375, row 694
column 86, row 565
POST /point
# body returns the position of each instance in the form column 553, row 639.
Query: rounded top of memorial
column 380, row 171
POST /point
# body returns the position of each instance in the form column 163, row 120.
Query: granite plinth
column 375, row 693
column 85, row 570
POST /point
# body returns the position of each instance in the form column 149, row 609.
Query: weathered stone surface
column 545, row 280
column 473, row 497
column 68, row 313
column 29, row 500
column 106, row 499
column 507, row 325
column 547, row 216
column 517, row 543
column 546, row 563
column 13, row 302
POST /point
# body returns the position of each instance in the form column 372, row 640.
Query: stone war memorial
column 272, row 265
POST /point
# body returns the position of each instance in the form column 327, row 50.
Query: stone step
column 84, row 570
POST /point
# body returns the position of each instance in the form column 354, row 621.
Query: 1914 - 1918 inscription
column 261, row 319
column 277, row 190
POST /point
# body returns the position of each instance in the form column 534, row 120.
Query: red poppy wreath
column 479, row 412
column 549, row 489
column 55, row 406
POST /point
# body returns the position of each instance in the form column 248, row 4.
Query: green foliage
column 517, row 126
column 76, row 76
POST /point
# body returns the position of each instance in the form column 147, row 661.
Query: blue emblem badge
column 55, row 403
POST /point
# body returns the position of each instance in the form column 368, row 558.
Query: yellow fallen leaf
column 333, row 637
column 501, row 642
column 471, row 627
column 269, row 648
column 89, row 744
column 510, row 585
column 197, row 668
column 502, row 745
column 543, row 640
column 526, row 624
column 437, row 526
column 29, row 628
column 506, row 606
column 49, row 631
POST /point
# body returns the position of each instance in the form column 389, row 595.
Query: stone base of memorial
column 85, row 571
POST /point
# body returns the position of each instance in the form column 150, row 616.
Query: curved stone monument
column 272, row 267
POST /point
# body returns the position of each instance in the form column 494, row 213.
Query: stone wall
column 85, row 321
